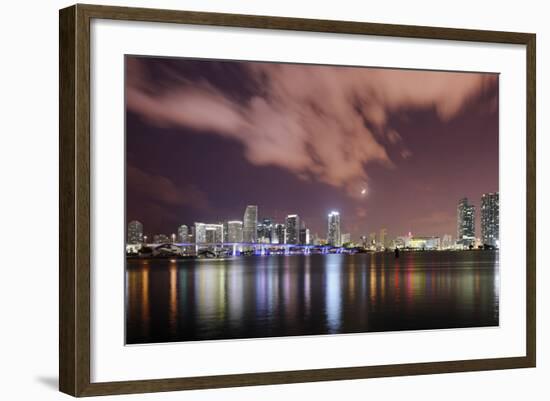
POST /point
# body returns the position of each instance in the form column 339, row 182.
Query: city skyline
column 295, row 232
column 423, row 154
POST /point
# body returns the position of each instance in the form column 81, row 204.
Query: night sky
column 387, row 148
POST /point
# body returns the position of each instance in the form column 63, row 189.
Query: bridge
column 240, row 248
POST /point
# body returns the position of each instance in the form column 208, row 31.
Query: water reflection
column 173, row 300
column 333, row 291
column 180, row 300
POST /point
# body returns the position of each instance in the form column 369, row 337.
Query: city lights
column 267, row 237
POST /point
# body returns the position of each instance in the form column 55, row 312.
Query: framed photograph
column 250, row 200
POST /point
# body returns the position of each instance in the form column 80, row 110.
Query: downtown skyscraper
column 490, row 219
column 250, row 224
column 235, row 231
column 279, row 231
column 333, row 235
column 265, row 231
column 465, row 222
column 135, row 232
column 208, row 233
column 293, row 229
column 183, row 233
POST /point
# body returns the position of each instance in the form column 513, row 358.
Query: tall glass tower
column 250, row 224
column 183, row 234
column 466, row 229
column 235, row 231
column 490, row 219
column 279, row 234
column 135, row 232
column 334, row 237
column 292, row 229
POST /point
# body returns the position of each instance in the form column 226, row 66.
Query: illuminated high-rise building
column 292, row 229
column 278, row 234
column 490, row 219
column 183, row 234
column 345, row 238
column 383, row 239
column 235, row 231
column 333, row 234
column 465, row 235
column 265, row 229
column 305, row 236
column 447, row 242
column 214, row 233
column 135, row 232
column 250, row 224
column 208, row 233
column 200, row 233
column 225, row 232
column 427, row 243
column 372, row 240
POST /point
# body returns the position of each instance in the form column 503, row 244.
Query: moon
column 363, row 191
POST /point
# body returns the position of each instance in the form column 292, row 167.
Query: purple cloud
column 322, row 123
column 160, row 188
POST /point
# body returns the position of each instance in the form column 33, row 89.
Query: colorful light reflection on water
column 265, row 296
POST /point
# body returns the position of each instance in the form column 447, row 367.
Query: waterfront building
column 345, row 238
column 447, row 242
column 292, row 229
column 425, row 243
column 465, row 224
column 372, row 240
column 490, row 219
column 208, row 233
column 214, row 233
column 225, row 231
column 268, row 230
column 135, row 232
column 304, row 236
column 314, row 239
column 383, row 239
column 274, row 236
column 250, row 224
column 200, row 233
column 265, row 229
column 400, row 242
column 183, row 234
column 334, row 237
column 261, row 234
column 278, row 236
column 161, row 239
column 235, row 231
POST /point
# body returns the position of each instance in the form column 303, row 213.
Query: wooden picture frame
column 74, row 206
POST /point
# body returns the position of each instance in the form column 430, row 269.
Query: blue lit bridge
column 243, row 248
